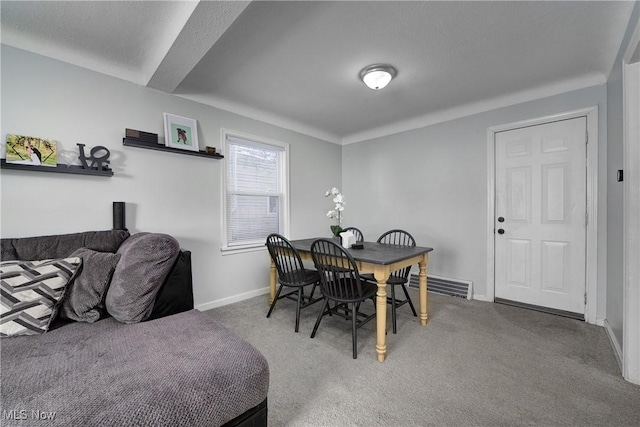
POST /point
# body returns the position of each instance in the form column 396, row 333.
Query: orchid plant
column 336, row 212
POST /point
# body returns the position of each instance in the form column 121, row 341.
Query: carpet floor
column 474, row 364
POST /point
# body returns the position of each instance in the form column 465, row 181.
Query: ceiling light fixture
column 377, row 76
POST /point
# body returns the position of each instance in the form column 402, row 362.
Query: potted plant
column 336, row 212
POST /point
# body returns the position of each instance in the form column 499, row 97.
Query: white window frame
column 284, row 196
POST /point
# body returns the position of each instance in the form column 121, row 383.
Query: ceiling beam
column 207, row 23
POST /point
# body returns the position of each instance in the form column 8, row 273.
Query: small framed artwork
column 180, row 132
column 31, row 151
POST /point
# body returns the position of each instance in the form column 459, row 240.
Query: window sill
column 232, row 250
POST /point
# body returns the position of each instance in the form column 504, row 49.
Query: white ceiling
column 296, row 63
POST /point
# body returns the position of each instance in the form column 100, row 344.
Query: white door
column 540, row 239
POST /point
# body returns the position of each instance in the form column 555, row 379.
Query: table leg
column 423, row 290
column 272, row 282
column 381, row 275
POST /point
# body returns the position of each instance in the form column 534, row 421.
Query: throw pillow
column 84, row 301
column 145, row 262
column 31, row 291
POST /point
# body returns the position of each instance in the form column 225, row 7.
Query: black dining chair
column 291, row 273
column 341, row 284
column 356, row 232
column 399, row 277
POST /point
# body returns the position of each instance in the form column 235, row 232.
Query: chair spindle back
column 339, row 276
column 286, row 258
column 399, row 238
column 356, row 232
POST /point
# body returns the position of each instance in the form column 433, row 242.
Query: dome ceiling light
column 377, row 76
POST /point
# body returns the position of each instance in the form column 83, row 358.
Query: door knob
column 500, row 231
column 501, row 219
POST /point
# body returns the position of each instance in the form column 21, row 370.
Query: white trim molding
column 631, row 212
column 466, row 110
column 264, row 116
column 617, row 350
column 484, row 298
column 591, row 115
column 232, row 299
column 226, row 248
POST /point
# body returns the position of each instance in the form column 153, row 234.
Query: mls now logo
column 14, row 415
column 42, row 415
column 23, row 414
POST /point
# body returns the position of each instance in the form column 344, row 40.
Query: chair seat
column 368, row 290
column 303, row 277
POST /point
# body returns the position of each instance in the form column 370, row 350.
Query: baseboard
column 230, row 300
column 617, row 350
column 479, row 297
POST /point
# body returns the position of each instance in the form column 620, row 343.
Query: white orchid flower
column 338, row 199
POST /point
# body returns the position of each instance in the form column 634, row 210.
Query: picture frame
column 180, row 132
column 31, row 151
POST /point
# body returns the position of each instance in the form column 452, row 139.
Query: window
column 255, row 190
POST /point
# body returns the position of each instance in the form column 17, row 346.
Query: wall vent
column 445, row 286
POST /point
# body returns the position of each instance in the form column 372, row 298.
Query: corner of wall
column 617, row 348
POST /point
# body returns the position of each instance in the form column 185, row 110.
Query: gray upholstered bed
column 180, row 369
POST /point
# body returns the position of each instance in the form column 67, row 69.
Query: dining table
column 381, row 260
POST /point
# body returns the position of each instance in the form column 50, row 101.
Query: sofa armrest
column 176, row 293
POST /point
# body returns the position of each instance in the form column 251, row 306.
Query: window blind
column 254, row 191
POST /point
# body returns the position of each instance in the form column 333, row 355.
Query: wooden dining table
column 381, row 260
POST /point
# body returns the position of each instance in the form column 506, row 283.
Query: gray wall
column 615, row 197
column 168, row 193
column 433, row 182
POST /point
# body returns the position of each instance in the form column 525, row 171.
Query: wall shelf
column 76, row 170
column 153, row 146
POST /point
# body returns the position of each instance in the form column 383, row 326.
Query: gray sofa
column 174, row 367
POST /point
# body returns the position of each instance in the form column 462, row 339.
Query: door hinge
column 586, row 137
column 585, row 298
column 586, row 218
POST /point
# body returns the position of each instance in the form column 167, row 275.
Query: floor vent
column 445, row 286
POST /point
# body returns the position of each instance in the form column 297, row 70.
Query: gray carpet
column 475, row 364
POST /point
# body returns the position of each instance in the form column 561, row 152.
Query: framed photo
column 180, row 132
column 31, row 151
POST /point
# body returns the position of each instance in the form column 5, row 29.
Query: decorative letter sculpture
column 101, row 163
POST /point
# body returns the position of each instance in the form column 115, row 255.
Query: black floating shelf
column 76, row 170
column 153, row 146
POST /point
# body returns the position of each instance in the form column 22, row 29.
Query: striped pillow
column 31, row 292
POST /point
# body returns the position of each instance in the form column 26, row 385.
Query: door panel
column 519, row 262
column 541, row 193
column 519, row 199
column 556, row 192
column 555, row 255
